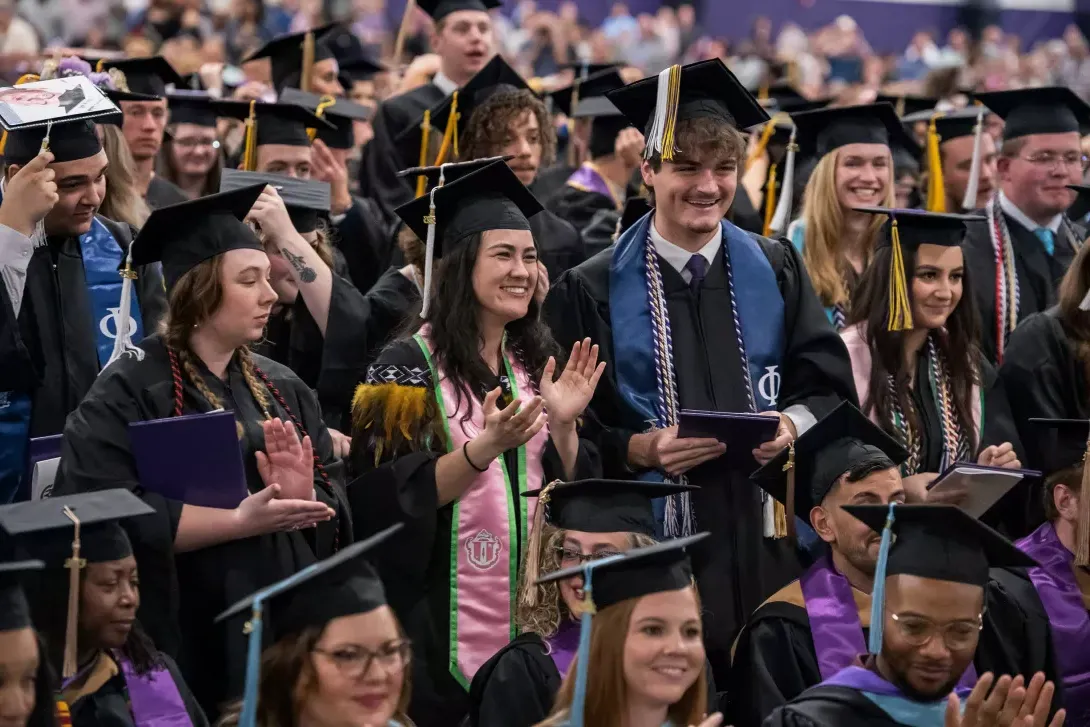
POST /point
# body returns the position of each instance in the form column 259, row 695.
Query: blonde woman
column 122, row 202
column 854, row 169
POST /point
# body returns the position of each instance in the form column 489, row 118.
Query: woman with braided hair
column 195, row 561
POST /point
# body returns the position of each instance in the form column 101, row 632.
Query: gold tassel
column 936, row 189
column 1082, row 540
column 324, row 103
column 762, row 92
column 900, row 309
column 3, row 142
column 762, row 144
column 98, row 66
column 308, row 62
column 28, row 78
column 786, row 526
column 71, row 630
column 425, row 137
column 674, row 93
column 900, row 108
column 249, row 147
column 770, row 200
column 450, row 135
column 533, row 547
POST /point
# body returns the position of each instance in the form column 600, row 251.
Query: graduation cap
column 1064, row 444
column 943, row 126
column 147, row 76
column 339, row 112
column 272, row 123
column 587, row 100
column 306, row 199
column 906, row 104
column 69, row 532
column 54, row 128
column 586, row 69
column 439, row 9
column 293, row 55
column 183, row 235
column 14, row 609
column 938, row 542
column 341, row 585
column 1028, row 111
column 597, row 84
column 353, row 61
column 490, row 198
column 785, row 97
column 843, row 440
column 912, row 228
column 825, row 130
column 639, row 572
column 703, row 89
column 193, row 107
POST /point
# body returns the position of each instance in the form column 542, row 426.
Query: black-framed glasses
column 355, row 661
column 957, row 635
column 571, row 556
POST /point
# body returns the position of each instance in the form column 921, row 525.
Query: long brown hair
column 121, row 203
column 824, row 223
column 1076, row 322
column 607, row 689
column 288, row 678
column 166, row 168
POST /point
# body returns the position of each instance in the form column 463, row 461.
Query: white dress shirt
column 445, row 85
column 1020, row 217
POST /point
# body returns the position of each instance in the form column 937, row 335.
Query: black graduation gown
column 382, row 160
column 578, row 206
column 365, row 239
column 51, row 350
column 552, row 180
column 108, row 706
column 396, row 483
column 515, row 688
column 831, row 707
column 1039, row 273
column 359, row 326
column 745, row 215
column 181, row 594
column 163, row 193
column 559, row 246
column 775, row 661
column 598, row 235
column 737, row 567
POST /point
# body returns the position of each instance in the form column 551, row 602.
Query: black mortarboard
column 360, row 68
column 339, row 112
column 496, row 76
column 306, row 199
column 353, row 61
column 603, row 506
column 1062, row 442
column 149, row 76
column 439, row 9
column 193, row 107
column 1028, row 111
column 843, row 440
column 585, row 69
column 706, row 88
column 184, row 235
column 590, row 102
column 14, row 610
column 906, row 104
column 287, row 54
column 949, row 124
column 785, row 97
column 599, row 83
column 67, row 142
column 822, row 131
column 274, row 123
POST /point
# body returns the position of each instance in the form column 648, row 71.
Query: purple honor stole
column 1060, row 595
column 563, row 645
column 154, row 697
column 587, row 179
column 834, row 622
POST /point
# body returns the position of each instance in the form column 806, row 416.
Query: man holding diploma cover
column 697, row 314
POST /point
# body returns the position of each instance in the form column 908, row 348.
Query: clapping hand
column 1009, row 704
column 567, row 397
column 286, row 461
column 509, row 427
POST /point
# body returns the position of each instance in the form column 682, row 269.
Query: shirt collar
column 1020, row 217
column 445, row 85
column 678, row 257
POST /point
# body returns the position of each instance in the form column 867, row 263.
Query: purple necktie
column 698, row 268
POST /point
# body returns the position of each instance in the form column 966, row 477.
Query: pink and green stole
column 483, row 559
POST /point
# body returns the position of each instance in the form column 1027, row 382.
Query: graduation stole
column 103, row 257
column 890, row 700
column 643, row 344
column 1062, row 598
column 587, row 178
column 955, row 445
column 483, row 559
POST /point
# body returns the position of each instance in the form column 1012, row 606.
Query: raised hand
column 567, row 397
column 29, row 195
column 506, row 428
column 271, row 215
column 327, row 168
column 286, row 461
column 268, row 512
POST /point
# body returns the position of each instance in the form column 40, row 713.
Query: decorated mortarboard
column 906, row 104
column 14, row 609
column 294, row 54
column 439, row 9
column 845, row 439
column 306, row 199
column 912, row 228
column 937, row 542
column 339, row 112
column 193, row 107
column 639, row 572
column 69, row 532
column 55, row 115
column 146, row 76
column 656, row 105
column 271, row 123
column 1063, row 444
column 1029, row 111
column 341, row 585
column 489, row 198
column 184, row 235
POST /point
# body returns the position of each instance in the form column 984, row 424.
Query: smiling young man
column 819, row 624
column 62, row 289
column 464, row 42
column 1027, row 243
column 744, row 330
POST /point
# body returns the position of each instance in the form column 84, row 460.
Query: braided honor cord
column 955, row 446
column 1006, row 276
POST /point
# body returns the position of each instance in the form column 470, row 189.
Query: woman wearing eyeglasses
column 191, row 157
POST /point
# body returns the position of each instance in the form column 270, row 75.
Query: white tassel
column 429, row 246
column 782, row 217
column 658, row 127
column 123, row 344
column 1085, row 304
column 768, row 515
column 969, row 202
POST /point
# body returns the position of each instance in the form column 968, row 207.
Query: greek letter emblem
column 769, row 385
column 104, row 324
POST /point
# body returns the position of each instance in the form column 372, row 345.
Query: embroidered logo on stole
column 483, row 550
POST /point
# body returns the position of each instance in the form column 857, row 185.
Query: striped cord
column 1006, row 277
column 955, row 446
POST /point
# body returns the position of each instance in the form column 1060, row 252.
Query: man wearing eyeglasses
column 815, row 627
column 1018, row 256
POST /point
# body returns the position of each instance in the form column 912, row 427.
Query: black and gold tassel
column 425, row 137
column 249, row 146
column 308, row 62
column 770, row 200
column 450, row 134
column 324, row 103
column 900, row 309
column 785, row 512
column 533, row 548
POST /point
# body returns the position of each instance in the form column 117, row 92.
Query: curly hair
column 489, row 126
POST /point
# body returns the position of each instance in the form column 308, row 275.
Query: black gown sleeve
column 516, row 688
column 786, row 717
column 381, row 160
column 363, row 237
column 1013, row 514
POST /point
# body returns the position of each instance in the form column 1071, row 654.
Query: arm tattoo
column 306, row 273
